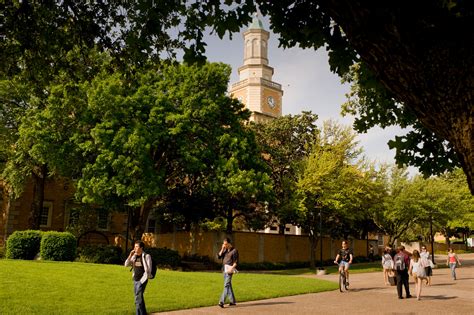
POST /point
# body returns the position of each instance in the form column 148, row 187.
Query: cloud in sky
column 308, row 85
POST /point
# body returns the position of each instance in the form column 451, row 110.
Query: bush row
column 60, row 246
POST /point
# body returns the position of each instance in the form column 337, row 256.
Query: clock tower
column 255, row 88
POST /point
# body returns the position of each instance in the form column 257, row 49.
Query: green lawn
column 43, row 287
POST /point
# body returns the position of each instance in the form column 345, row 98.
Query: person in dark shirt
column 402, row 263
column 141, row 265
column 345, row 254
column 230, row 258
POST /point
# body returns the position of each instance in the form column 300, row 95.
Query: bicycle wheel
column 342, row 281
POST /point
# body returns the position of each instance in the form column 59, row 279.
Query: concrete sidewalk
column 368, row 295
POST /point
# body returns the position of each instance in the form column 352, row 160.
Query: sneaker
column 232, row 304
column 347, row 283
column 400, row 297
column 409, row 296
column 221, row 304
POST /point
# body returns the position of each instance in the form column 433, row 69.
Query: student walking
column 141, row 265
column 387, row 264
column 230, row 258
column 425, row 256
column 452, row 262
column 402, row 263
column 417, row 271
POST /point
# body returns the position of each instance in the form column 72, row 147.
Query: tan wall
column 253, row 247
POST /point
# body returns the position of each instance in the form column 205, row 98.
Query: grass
column 355, row 268
column 45, row 287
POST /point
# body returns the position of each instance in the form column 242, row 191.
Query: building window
column 380, row 240
column 102, row 219
column 151, row 226
column 46, row 214
column 273, row 228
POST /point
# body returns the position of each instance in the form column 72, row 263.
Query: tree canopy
column 418, row 53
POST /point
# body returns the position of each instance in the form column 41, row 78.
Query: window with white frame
column 46, row 214
column 380, row 240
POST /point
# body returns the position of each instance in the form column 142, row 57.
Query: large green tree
column 285, row 142
column 332, row 184
column 140, row 136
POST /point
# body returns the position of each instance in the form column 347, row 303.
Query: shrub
column 60, row 246
column 100, row 254
column 164, row 257
column 272, row 266
column 23, row 244
column 2, row 252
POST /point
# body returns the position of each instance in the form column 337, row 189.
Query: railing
column 256, row 80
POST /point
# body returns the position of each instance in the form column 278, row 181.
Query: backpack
column 400, row 262
column 154, row 268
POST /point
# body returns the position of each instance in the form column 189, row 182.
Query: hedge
column 100, row 254
column 23, row 244
column 164, row 257
column 59, row 246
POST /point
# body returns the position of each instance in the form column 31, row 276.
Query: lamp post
column 321, row 268
column 432, row 239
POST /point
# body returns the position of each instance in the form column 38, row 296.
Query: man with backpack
column 401, row 264
column 142, row 271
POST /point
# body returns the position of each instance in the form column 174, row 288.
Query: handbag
column 392, row 279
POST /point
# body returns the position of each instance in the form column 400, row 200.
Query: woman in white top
column 417, row 270
column 387, row 264
column 425, row 255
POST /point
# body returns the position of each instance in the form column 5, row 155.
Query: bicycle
column 342, row 280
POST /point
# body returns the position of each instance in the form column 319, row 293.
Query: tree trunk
column 230, row 220
column 139, row 219
column 281, row 229
column 39, row 178
column 421, row 54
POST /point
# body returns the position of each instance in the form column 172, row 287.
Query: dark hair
column 227, row 239
column 140, row 243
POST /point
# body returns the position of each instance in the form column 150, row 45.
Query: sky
column 308, row 85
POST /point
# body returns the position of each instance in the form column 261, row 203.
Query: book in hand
column 227, row 269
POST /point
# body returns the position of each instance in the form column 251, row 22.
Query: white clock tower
column 255, row 88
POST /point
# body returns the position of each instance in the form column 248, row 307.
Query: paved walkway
column 368, row 295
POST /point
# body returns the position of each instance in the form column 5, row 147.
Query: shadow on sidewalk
column 248, row 304
column 437, row 297
column 366, row 289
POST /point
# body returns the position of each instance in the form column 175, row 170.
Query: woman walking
column 452, row 262
column 387, row 264
column 425, row 255
column 417, row 270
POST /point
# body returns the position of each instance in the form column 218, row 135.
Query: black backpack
column 154, row 268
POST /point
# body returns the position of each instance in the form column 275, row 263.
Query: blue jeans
column 227, row 289
column 452, row 266
column 139, row 289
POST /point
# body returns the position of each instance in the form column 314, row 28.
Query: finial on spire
column 256, row 22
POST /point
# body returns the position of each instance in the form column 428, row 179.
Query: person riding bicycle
column 345, row 254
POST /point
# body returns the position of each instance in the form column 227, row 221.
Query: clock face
column 271, row 101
